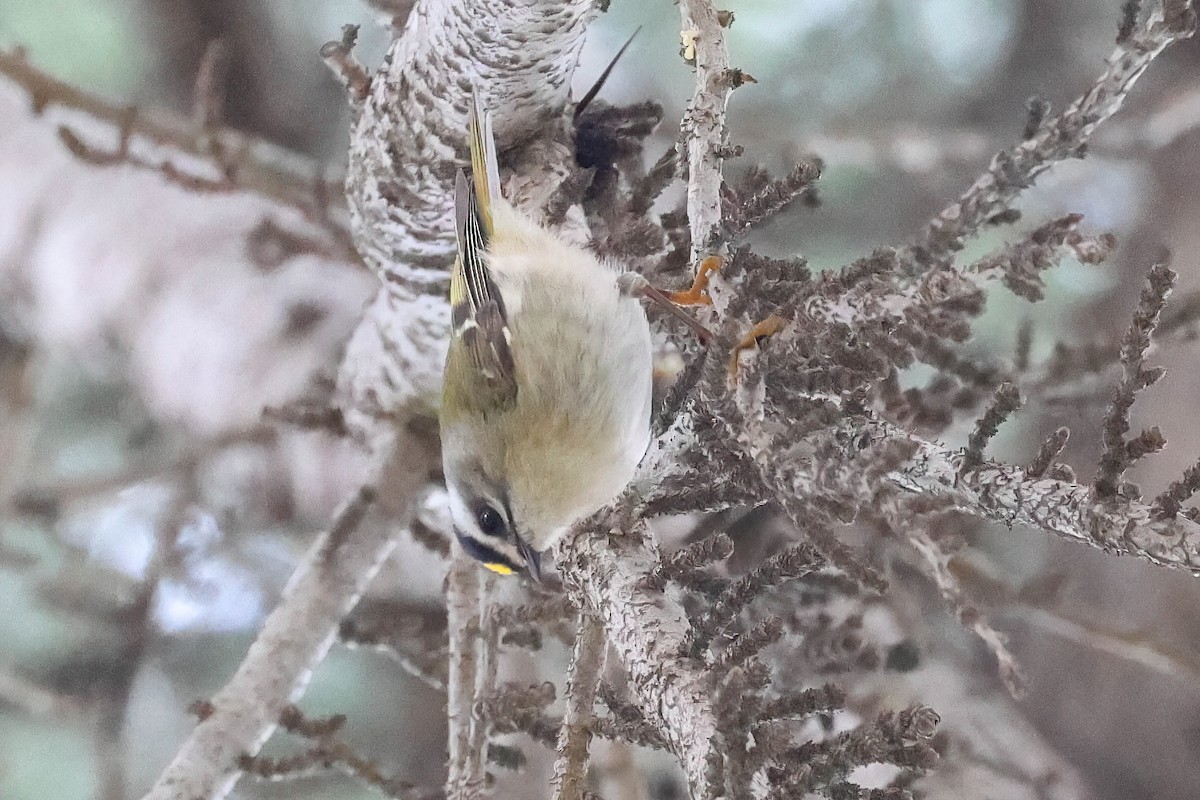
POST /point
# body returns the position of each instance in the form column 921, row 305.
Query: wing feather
column 477, row 308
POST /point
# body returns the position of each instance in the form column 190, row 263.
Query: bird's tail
column 485, row 170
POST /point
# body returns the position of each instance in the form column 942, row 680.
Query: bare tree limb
column 297, row 634
column 472, row 677
column 703, row 126
column 587, row 661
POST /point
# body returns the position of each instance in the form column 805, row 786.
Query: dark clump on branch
column 606, row 136
column 506, row 756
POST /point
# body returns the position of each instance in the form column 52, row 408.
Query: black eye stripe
column 488, row 555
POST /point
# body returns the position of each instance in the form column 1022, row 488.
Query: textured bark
column 470, row 671
column 647, row 631
column 587, row 661
column 704, row 123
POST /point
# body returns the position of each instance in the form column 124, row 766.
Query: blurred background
column 149, row 517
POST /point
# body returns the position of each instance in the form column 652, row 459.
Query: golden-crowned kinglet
column 546, row 403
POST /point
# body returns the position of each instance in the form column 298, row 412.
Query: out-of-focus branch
column 937, row 566
column 1055, row 139
column 244, row 163
column 920, row 151
column 30, row 698
column 1029, row 604
column 298, row 633
column 587, row 661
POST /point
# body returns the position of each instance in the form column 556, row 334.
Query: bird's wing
column 476, row 307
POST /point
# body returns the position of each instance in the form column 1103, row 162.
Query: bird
column 546, row 400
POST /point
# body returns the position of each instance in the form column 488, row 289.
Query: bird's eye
column 491, row 523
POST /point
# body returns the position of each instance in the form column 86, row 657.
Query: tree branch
column 298, row 633
column 1056, row 139
column 247, row 163
column 1005, row 493
column 647, row 631
column 404, row 149
column 703, row 127
column 587, row 661
column 472, row 677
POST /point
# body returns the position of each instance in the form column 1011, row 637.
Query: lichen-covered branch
column 405, row 146
column 603, row 567
column 704, row 123
column 519, row 56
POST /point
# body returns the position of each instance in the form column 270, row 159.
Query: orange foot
column 754, row 338
column 697, row 295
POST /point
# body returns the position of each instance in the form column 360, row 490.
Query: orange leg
column 671, row 307
column 635, row 285
column 697, row 294
column 753, row 338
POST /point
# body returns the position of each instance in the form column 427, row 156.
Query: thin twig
column 261, row 167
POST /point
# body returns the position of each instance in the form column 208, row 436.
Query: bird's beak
column 533, row 561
